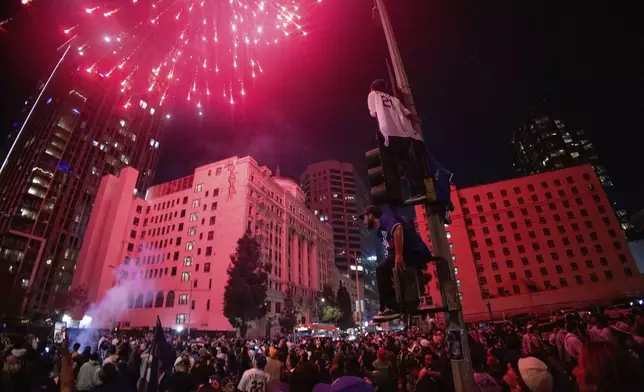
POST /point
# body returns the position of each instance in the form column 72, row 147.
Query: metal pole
column 457, row 332
column 358, row 305
column 190, row 304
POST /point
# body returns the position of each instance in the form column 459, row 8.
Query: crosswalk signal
column 383, row 177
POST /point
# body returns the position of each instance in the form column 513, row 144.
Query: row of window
column 540, row 260
column 543, row 271
column 538, row 208
column 530, row 187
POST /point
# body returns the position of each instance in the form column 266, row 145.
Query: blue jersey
column 414, row 249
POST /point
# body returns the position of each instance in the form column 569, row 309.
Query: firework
column 179, row 51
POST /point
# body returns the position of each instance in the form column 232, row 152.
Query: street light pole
column 457, row 332
column 358, row 304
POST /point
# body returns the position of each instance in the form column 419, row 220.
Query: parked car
column 618, row 311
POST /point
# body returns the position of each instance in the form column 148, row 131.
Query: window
column 191, row 231
column 516, row 289
column 555, row 256
column 509, row 263
column 482, row 219
column 538, row 209
column 517, row 190
column 574, row 266
column 524, row 261
column 628, row 271
column 544, row 185
column 504, row 193
column 575, row 227
column 579, row 279
column 482, row 280
column 521, row 249
column 190, row 245
column 278, row 307
column 488, row 241
column 491, row 254
column 497, row 278
column 169, row 301
column 185, row 276
column 551, row 244
column 173, row 272
column 495, row 266
column 194, row 216
column 213, row 207
column 535, row 246
column 544, row 271
column 598, row 248
column 617, row 245
column 570, row 253
column 181, row 319
column 524, row 211
column 486, row 230
column 198, row 187
column 513, row 275
column 185, row 200
column 183, row 299
column 209, row 251
column 208, row 305
column 559, row 269
column 622, row 258
column 552, row 206
column 206, row 267
column 563, row 282
column 496, row 217
column 195, row 203
column 493, row 206
column 517, row 237
column 561, row 229
column 506, row 251
column 499, row 227
column 514, row 225
column 477, row 198
column 528, row 274
column 584, row 251
column 557, row 183
column 187, row 261
column 149, row 298
column 532, row 234
column 542, row 220
column 546, row 232
column 534, row 198
column 603, row 261
column 579, row 238
column 609, row 274
column 490, row 196
column 506, row 203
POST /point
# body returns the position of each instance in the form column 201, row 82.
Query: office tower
column 76, row 130
column 537, row 243
column 548, row 141
column 336, row 194
column 172, row 249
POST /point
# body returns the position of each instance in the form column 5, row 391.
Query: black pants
column 410, row 156
column 385, row 280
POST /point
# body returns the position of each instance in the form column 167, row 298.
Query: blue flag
column 442, row 182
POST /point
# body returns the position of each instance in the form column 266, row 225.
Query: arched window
column 159, row 300
column 139, row 301
column 169, row 302
column 130, row 300
column 148, row 299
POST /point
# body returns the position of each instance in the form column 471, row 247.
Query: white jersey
column 391, row 115
column 254, row 380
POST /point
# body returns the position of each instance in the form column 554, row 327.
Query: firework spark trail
column 179, row 51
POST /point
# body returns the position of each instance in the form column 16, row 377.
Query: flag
column 160, row 363
column 442, row 183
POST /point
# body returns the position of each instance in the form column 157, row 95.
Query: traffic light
column 383, row 177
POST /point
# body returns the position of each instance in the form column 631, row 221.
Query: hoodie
column 88, row 376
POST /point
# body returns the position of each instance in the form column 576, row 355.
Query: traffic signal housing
column 383, row 176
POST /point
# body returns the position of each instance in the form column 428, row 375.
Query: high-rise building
column 536, row 243
column 75, row 131
column 173, row 248
column 548, row 141
column 336, row 194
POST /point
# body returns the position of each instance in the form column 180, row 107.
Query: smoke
column 115, row 303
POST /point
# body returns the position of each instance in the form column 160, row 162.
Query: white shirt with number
column 391, row 115
column 254, row 380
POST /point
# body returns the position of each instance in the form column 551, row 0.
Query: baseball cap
column 371, row 209
column 345, row 384
column 535, row 374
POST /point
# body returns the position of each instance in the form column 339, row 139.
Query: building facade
column 547, row 141
column 336, row 194
column 167, row 255
column 76, row 130
column 536, row 243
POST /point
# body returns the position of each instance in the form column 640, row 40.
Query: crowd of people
column 580, row 354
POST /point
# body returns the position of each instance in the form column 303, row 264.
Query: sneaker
column 386, row 315
column 416, row 198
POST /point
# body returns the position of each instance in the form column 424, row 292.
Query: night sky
column 476, row 69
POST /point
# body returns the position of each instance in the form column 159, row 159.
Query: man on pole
column 404, row 144
column 403, row 247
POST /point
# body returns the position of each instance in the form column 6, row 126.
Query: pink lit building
column 167, row 255
column 535, row 244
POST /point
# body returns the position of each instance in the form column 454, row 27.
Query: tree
column 331, row 314
column 344, row 305
column 287, row 319
column 328, row 295
column 245, row 291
